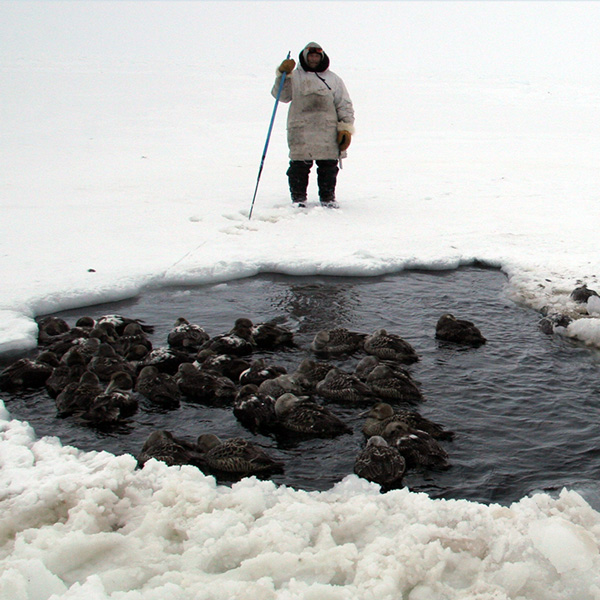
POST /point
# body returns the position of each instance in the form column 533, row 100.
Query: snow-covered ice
column 131, row 140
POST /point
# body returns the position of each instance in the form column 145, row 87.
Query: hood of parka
column 322, row 66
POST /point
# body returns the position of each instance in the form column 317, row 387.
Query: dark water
column 524, row 406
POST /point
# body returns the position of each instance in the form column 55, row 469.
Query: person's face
column 313, row 59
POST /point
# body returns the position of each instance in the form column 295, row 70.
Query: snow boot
column 327, row 171
column 298, row 180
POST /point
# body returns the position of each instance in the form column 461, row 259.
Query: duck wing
column 308, row 417
column 381, row 464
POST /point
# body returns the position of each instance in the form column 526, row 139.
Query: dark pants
column 327, row 171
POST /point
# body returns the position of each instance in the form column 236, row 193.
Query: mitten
column 343, row 139
column 287, row 66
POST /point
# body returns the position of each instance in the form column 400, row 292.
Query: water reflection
column 320, row 305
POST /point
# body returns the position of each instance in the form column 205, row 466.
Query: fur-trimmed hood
column 322, row 66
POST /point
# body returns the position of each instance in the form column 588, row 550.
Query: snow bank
column 76, row 524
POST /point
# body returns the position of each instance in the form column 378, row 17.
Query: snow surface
column 131, row 139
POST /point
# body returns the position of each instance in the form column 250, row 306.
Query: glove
column 287, row 66
column 343, row 139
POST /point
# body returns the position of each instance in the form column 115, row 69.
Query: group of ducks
column 99, row 370
column 587, row 303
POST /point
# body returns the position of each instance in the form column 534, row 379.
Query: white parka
column 320, row 107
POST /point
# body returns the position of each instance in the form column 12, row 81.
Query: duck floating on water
column 343, row 387
column 119, row 322
column 63, row 342
column 390, row 346
column 77, row 397
column 337, row 342
column 106, row 362
column 134, row 343
column 234, row 456
column 112, row 406
column 554, row 323
column 393, row 384
column 419, row 449
column 225, row 365
column 204, row 386
column 28, row 373
column 259, row 371
column 272, row 336
column 365, row 365
column 304, row 416
column 186, row 336
column 166, row 360
column 165, row 447
column 286, row 383
column 382, row 414
column 238, row 342
column 254, row 410
column 69, row 370
column 160, row 388
column 459, row 331
column 49, row 328
column 380, row 463
column 309, row 372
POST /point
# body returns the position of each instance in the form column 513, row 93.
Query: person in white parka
column 320, row 122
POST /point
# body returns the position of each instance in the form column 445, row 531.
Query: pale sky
column 517, row 39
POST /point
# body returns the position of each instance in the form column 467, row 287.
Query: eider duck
column 390, row 346
column 582, row 294
column 134, row 343
column 272, row 336
column 106, row 362
column 77, row 397
column 391, row 384
column 260, row 371
column 86, row 323
column 106, row 332
column 62, row 343
column 86, row 347
column 69, row 370
column 286, row 383
column 203, row 386
column 163, row 446
column 309, row 372
column 160, row 388
column 554, row 323
column 380, row 463
column 28, row 373
column 186, row 336
column 114, row 404
column 234, row 456
column 254, row 410
column 336, row 342
column 365, row 365
column 222, row 364
column 451, row 329
column 244, row 328
column 382, row 414
column 304, row 416
column 343, row 387
column 238, row 342
column 166, row 360
column 418, row 448
column 119, row 322
column 51, row 327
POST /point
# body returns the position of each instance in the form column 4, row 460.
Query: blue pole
column 262, row 162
